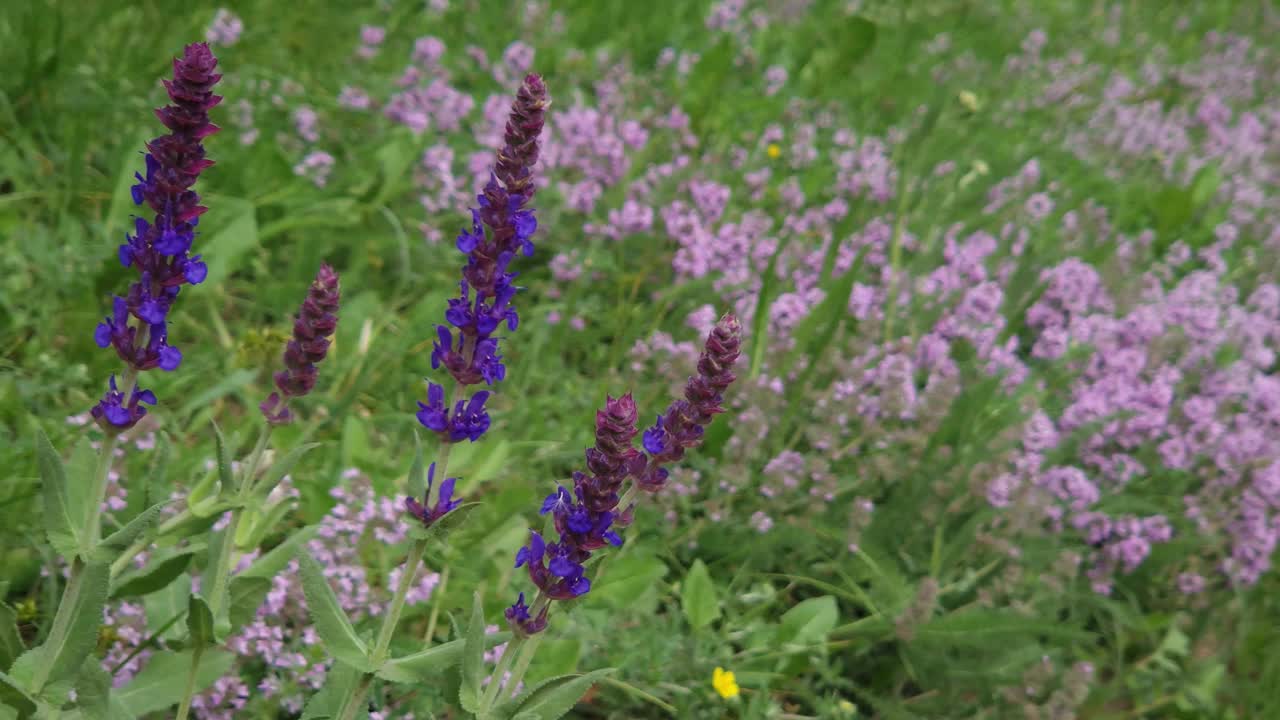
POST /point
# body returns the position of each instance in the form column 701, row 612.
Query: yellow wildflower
column 773, row 151
column 725, row 683
column 969, row 101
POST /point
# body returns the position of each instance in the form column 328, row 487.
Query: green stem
column 351, row 703
column 184, row 708
column 522, row 667
column 504, row 663
column 435, row 606
column 226, row 552
column 122, row 563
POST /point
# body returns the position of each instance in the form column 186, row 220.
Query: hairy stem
column 351, row 704
column 184, row 708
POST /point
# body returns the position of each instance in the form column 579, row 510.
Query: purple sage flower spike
column 313, row 327
column 682, row 425
column 502, row 226
column 160, row 249
column 115, row 414
column 585, row 519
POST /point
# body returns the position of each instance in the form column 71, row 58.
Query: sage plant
column 245, row 496
column 585, row 519
column 160, row 250
column 467, row 347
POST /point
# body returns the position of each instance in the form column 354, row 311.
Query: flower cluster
column 160, row 249
column 502, row 225
column 316, row 321
column 585, row 518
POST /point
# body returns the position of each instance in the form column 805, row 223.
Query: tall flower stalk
column 587, row 519
column 313, row 328
column 467, row 344
column 137, row 328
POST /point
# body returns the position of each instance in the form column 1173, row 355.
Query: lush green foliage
column 918, row 609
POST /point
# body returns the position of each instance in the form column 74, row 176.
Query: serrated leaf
column 83, row 618
column 698, row 597
column 212, row 569
column 12, row 694
column 552, row 698
column 82, row 469
column 202, row 498
column 278, row 558
column 472, row 667
column 226, row 476
column 338, row 684
column 280, row 468
column 93, row 690
column 60, row 526
column 332, row 624
column 117, row 542
column 160, row 570
column 810, row 621
column 427, row 665
column 160, row 684
column 199, row 622
column 246, row 596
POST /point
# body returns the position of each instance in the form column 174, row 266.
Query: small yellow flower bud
column 969, row 101
column 773, row 151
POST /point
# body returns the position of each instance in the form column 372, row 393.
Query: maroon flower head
column 681, row 427
column 315, row 324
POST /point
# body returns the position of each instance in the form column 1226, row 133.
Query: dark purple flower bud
column 315, row 323
column 556, row 568
column 520, row 621
column 114, row 414
column 683, row 424
column 426, row 513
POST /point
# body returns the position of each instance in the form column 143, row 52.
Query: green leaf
column 274, row 562
column 82, row 469
column 280, row 468
column 202, row 499
column 422, row 666
column 82, row 633
column 161, row 569
column 698, row 597
column 160, row 684
column 11, row 645
column 338, row 684
column 221, row 621
column 117, row 542
column 332, row 624
column 632, row 580
column 810, row 621
column 473, row 659
column 979, row 628
column 247, row 594
column 225, row 386
column 555, row 657
column 224, row 248
column 166, row 604
column 93, row 690
column 199, row 622
column 226, row 475
column 552, row 698
column 760, row 322
column 60, row 526
column 12, row 694
column 428, row 665
column 417, row 472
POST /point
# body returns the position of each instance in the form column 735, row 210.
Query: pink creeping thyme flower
column 315, row 324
